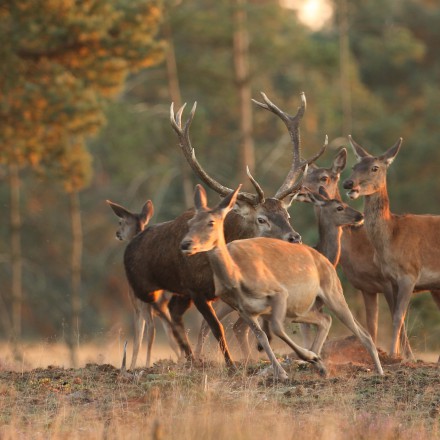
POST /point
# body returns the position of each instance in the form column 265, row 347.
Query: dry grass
column 172, row 401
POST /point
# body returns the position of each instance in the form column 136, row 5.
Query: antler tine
column 292, row 124
column 190, row 155
column 318, row 154
column 293, row 189
column 257, row 187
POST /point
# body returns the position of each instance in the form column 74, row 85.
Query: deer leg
column 404, row 292
column 279, row 305
column 241, row 331
column 268, row 331
column 335, row 301
column 307, row 334
column 371, row 312
column 208, row 312
column 405, row 346
column 309, row 340
column 323, row 323
column 222, row 310
column 177, row 306
column 278, row 371
column 151, row 331
column 168, row 329
column 139, row 325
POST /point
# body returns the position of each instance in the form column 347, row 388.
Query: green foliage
column 62, row 60
column 51, row 103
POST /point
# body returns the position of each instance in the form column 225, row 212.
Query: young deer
column 406, row 247
column 335, row 215
column 131, row 224
column 357, row 253
column 154, row 262
column 271, row 278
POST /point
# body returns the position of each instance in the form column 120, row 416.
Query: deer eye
column 374, row 168
column 211, row 223
column 340, row 208
column 261, row 220
column 324, row 179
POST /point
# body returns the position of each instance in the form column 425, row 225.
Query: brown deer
column 406, row 247
column 335, row 215
column 154, row 263
column 131, row 224
column 271, row 278
column 292, row 125
column 357, row 253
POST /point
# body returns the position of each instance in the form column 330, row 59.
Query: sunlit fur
column 407, row 247
column 269, row 277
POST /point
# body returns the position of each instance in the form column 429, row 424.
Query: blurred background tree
column 64, row 60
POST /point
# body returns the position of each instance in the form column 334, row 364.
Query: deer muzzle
column 186, row 246
column 353, row 192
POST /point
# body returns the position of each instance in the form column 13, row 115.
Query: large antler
column 189, row 153
column 292, row 124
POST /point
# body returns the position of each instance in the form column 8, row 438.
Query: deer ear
column 359, row 152
column 200, row 199
column 339, row 161
column 146, row 212
column 229, row 201
column 317, row 199
column 119, row 210
column 391, row 153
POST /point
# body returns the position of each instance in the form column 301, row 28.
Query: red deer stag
column 292, row 124
column 357, row 253
column 131, row 224
column 153, row 261
column 270, row 278
column 406, row 247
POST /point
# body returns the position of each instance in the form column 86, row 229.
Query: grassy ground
column 173, row 401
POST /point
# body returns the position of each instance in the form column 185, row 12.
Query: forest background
column 84, row 117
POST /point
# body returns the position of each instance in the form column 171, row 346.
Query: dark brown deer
column 153, row 261
column 406, row 247
column 271, row 278
column 131, row 224
column 357, row 253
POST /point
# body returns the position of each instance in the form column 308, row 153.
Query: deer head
column 332, row 210
column 262, row 217
column 369, row 174
column 206, row 227
column 131, row 224
column 327, row 178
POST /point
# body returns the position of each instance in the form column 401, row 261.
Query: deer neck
column 223, row 266
column 329, row 243
column 378, row 217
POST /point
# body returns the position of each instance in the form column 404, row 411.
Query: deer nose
column 348, row 184
column 294, row 237
column 359, row 217
column 185, row 245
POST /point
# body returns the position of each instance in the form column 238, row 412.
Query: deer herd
column 245, row 252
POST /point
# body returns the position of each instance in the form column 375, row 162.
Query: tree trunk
column 16, row 257
column 344, row 61
column 77, row 245
column 241, row 66
column 176, row 97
